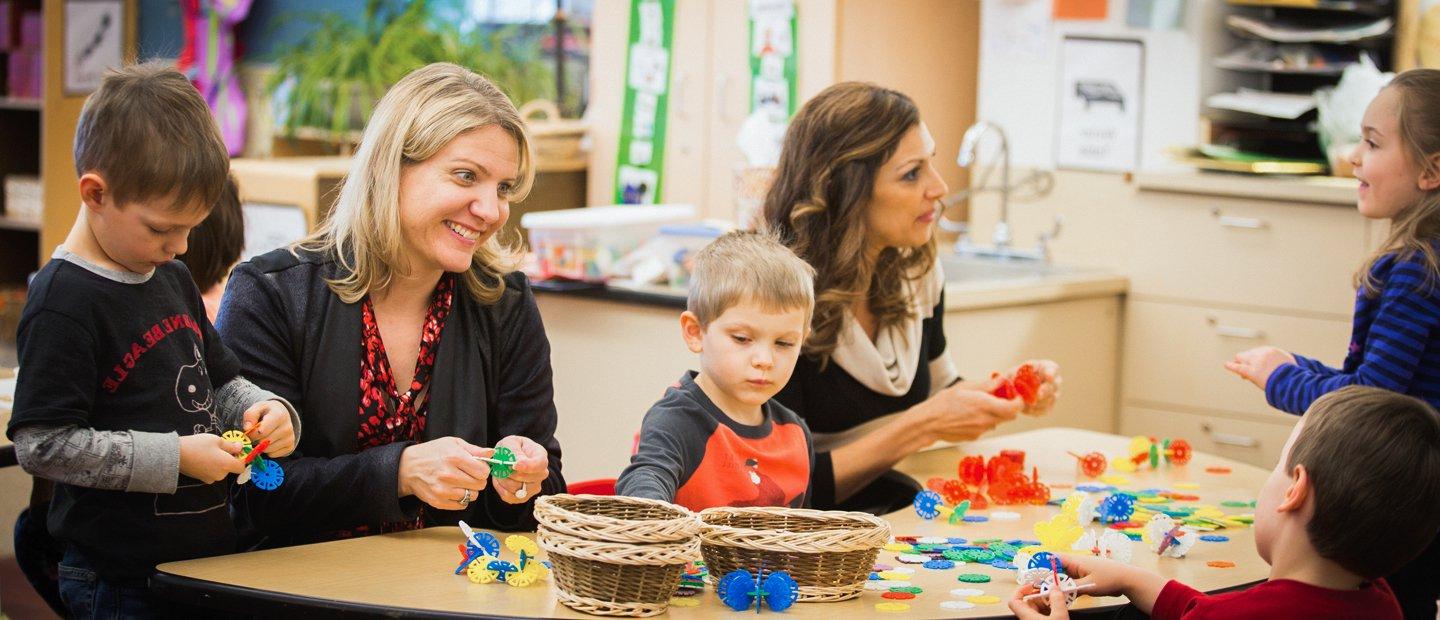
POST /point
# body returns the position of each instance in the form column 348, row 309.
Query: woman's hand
column 1257, row 364
column 532, row 466
column 964, row 411
column 444, row 473
column 1049, row 386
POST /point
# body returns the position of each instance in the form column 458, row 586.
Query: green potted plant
column 332, row 79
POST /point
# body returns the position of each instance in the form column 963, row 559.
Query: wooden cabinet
column 927, row 49
column 1082, row 335
column 1218, row 269
column 1287, row 257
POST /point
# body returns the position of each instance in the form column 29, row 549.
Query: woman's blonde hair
column 1415, row 230
column 832, row 154
column 420, row 115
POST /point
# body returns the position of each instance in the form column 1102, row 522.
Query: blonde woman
column 402, row 333
column 856, row 196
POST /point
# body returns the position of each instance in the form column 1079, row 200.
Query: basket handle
column 543, row 107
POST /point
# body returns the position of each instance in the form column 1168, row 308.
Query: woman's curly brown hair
column 832, row 154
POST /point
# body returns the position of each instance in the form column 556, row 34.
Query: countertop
column 973, row 294
column 1311, row 189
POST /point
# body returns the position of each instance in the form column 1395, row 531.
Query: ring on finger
column 465, row 499
column 523, row 491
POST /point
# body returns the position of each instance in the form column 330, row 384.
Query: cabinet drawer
column 1176, row 354
column 1255, row 253
column 1249, row 441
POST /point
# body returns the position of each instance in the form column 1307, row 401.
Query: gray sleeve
column 672, row 445
column 133, row 461
column 233, row 398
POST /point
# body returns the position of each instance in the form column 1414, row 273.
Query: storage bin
column 583, row 244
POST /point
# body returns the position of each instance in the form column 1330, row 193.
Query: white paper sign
column 1100, row 95
column 93, row 43
column 270, row 226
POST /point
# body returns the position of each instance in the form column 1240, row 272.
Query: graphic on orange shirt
column 773, row 471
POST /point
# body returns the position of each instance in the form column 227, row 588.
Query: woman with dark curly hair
column 856, row 196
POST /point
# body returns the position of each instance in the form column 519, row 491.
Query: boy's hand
column 1257, row 364
column 1040, row 607
column 270, row 420
column 1113, row 578
column 208, row 458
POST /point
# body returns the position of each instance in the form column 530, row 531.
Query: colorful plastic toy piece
column 1092, row 464
column 1109, row 544
column 1116, row 508
column 740, row 590
column 1081, row 506
column 267, row 474
column 1165, row 537
column 972, row 470
column 502, row 462
column 1172, row 451
column 481, row 563
column 1025, row 385
column 1059, row 533
column 927, row 504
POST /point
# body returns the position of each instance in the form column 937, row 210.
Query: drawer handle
column 1231, row 331
column 1228, row 439
column 1230, row 221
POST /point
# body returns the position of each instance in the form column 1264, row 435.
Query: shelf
column 7, row 223
column 1368, row 8
column 1332, row 71
column 19, row 103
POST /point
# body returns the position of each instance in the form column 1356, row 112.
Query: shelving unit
column 1299, row 65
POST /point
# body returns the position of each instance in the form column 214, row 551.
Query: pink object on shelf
column 23, row 79
column 9, row 24
column 32, row 31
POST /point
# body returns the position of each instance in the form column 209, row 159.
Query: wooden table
column 411, row 572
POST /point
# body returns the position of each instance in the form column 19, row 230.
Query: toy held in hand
column 740, row 590
column 1025, row 385
column 265, row 473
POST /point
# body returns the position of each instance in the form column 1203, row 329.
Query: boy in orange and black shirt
column 716, row 438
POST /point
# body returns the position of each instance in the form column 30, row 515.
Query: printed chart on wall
column 772, row 56
column 93, row 43
column 1100, row 97
column 641, row 160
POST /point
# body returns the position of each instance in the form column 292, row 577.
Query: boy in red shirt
column 1353, row 497
column 717, row 437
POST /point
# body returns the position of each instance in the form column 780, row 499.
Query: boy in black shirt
column 124, row 387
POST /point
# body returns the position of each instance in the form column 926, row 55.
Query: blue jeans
column 86, row 595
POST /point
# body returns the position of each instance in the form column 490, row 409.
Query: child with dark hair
column 1352, row 500
column 215, row 246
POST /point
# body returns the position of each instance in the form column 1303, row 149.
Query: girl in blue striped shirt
column 1395, row 342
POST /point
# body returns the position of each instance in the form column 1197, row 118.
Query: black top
column 693, row 454
column 117, row 356
column 296, row 338
column 833, row 401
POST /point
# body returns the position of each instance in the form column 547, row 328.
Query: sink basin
column 980, row 268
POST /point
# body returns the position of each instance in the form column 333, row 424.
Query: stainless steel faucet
column 969, row 152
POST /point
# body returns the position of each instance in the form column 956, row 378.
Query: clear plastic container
column 583, row 244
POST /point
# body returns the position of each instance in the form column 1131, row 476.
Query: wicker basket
column 829, row 553
column 556, row 140
column 616, row 556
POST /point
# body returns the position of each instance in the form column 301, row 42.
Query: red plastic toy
column 1024, row 385
column 1091, row 464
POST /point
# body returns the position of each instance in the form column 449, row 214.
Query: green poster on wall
column 641, row 160
column 772, row 56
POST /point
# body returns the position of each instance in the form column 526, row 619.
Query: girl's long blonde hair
column 1415, row 230
column 832, row 153
column 421, row 114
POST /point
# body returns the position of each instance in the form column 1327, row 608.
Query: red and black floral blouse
column 386, row 415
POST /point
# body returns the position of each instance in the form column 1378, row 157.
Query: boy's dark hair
column 149, row 134
column 1373, row 458
column 215, row 245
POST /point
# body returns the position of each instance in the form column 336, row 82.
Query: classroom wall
column 1020, row 74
